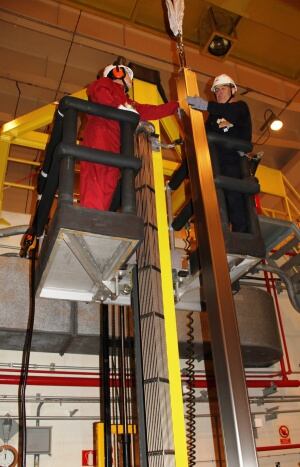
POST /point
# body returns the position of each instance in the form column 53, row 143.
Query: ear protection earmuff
column 118, row 72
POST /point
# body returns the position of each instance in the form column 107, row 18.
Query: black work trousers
column 236, row 202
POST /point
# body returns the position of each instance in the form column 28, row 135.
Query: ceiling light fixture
column 217, row 31
column 219, row 46
column 271, row 121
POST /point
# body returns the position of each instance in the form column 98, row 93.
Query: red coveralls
column 98, row 182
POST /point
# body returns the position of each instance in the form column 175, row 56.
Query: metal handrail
column 290, row 186
column 289, row 204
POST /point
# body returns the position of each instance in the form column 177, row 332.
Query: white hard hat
column 109, row 68
column 223, row 80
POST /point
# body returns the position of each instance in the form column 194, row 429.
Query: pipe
column 15, row 230
column 285, row 279
column 289, row 369
column 278, row 448
column 97, row 382
column 51, row 366
column 36, row 458
column 253, row 384
column 54, row 417
column 57, row 381
column 269, row 290
column 272, row 288
column 52, row 372
column 5, row 398
column 199, row 373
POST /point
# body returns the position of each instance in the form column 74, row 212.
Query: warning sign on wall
column 89, row 457
column 284, row 434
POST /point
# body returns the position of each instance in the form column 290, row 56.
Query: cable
column 277, row 115
column 18, row 99
column 190, row 373
column 67, row 57
column 257, row 143
column 25, row 364
column 190, row 398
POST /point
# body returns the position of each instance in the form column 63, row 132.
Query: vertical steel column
column 229, row 373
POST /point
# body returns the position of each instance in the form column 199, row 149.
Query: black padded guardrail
column 248, row 243
column 62, row 151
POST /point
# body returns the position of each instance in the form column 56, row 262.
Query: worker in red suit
column 98, row 182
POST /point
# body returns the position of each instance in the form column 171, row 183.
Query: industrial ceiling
column 267, row 32
column 50, row 48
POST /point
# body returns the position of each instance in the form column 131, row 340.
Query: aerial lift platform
column 97, row 251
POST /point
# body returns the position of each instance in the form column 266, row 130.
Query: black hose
column 55, row 138
column 247, row 185
column 184, row 216
column 123, row 412
column 106, row 385
column 179, row 175
column 25, row 364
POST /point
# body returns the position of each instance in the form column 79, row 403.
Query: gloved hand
column 197, row 103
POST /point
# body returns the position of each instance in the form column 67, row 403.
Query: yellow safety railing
column 23, row 131
column 279, row 199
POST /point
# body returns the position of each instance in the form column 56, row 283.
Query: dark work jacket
column 238, row 115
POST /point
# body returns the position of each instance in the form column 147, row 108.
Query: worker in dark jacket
column 98, row 182
column 232, row 118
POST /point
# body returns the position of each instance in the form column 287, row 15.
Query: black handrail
column 249, row 242
column 62, row 150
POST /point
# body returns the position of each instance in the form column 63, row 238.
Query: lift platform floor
column 83, row 251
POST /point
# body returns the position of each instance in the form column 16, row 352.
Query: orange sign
column 284, row 433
